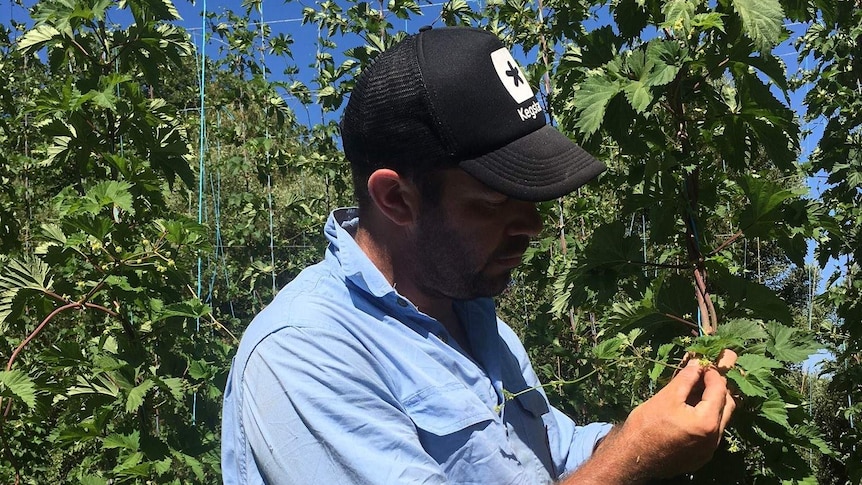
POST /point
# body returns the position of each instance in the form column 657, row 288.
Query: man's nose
column 526, row 219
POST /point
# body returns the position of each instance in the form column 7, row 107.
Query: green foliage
column 702, row 157
column 97, row 364
column 763, row 22
column 119, row 362
column 832, row 44
column 14, row 383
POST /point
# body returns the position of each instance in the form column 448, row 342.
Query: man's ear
column 395, row 196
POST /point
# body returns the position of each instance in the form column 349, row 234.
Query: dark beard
column 450, row 267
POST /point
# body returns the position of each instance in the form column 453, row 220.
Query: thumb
column 684, row 382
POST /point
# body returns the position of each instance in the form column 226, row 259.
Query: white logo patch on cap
column 511, row 75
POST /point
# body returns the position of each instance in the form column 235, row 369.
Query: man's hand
column 676, row 431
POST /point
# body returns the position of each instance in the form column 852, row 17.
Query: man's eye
column 495, row 202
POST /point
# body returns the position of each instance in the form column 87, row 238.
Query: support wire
column 201, row 167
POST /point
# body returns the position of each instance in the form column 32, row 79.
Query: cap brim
column 541, row 166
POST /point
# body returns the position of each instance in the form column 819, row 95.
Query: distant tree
column 106, row 348
column 835, row 98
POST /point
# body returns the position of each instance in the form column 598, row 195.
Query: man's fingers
column 727, row 412
column 726, row 360
column 714, row 398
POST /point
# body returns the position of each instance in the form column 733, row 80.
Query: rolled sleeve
column 572, row 445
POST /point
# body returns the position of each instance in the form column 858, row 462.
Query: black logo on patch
column 513, row 72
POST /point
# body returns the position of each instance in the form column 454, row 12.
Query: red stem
column 681, row 320
column 709, row 318
column 23, row 344
column 38, row 329
column 726, row 243
column 704, row 312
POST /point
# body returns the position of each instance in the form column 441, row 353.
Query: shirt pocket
column 446, row 409
column 458, row 430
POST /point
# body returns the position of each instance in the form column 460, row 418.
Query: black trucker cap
column 454, row 96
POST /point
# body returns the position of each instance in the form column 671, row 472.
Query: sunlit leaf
column 661, row 356
column 29, row 275
column 753, row 362
column 638, row 95
column 18, row 384
column 678, row 15
column 763, row 21
column 591, row 100
column 790, row 345
column 775, row 411
column 35, row 38
column 93, row 480
column 132, row 460
column 111, row 193
column 665, row 59
column 746, row 386
column 711, row 20
column 137, row 394
column 608, row 349
column 742, row 329
column 174, row 385
column 130, row 441
column 99, row 384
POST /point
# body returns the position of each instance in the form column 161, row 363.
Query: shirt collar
column 357, row 268
column 479, row 315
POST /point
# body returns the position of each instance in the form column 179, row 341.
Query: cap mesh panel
column 387, row 122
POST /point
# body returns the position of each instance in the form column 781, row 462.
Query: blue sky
column 286, row 18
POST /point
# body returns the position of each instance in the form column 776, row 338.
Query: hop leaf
column 763, row 21
column 18, row 384
column 28, row 275
column 591, row 102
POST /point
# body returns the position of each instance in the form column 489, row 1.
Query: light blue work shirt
column 341, row 380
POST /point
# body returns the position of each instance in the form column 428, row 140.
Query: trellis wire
column 201, row 166
column 266, row 147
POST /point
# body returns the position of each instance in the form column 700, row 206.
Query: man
column 385, row 363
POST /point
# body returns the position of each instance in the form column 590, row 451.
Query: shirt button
column 402, row 302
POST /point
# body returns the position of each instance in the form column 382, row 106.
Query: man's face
column 467, row 245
